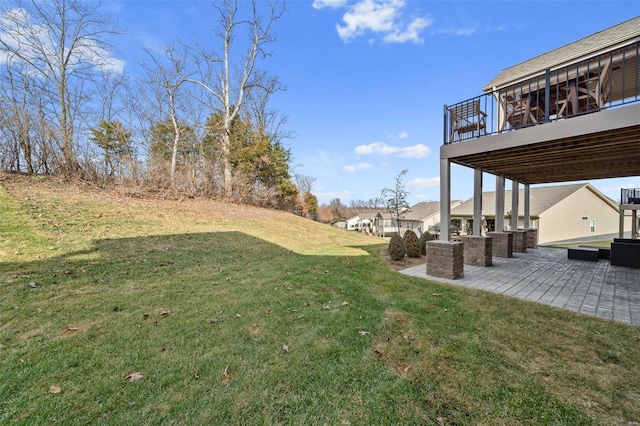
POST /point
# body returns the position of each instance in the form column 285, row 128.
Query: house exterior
column 561, row 213
column 354, row 223
column 421, row 217
column 570, row 114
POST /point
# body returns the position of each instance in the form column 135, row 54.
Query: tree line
column 193, row 118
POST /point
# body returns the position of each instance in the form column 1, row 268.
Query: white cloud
column 424, row 182
column 333, row 4
column 410, row 33
column 420, row 197
column 416, row 151
column 384, row 17
column 372, row 15
column 403, row 135
column 359, row 166
column 456, row 32
column 376, row 148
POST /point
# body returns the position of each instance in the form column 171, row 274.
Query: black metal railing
column 607, row 80
column 630, row 196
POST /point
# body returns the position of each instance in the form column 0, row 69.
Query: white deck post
column 621, row 232
column 477, row 202
column 515, row 203
column 527, row 207
column 499, row 219
column 445, row 199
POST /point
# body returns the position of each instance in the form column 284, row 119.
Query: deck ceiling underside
column 610, row 154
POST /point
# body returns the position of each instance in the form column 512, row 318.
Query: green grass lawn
column 237, row 315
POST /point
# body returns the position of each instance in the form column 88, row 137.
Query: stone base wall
column 519, row 241
column 532, row 238
column 477, row 250
column 502, row 243
column 445, row 259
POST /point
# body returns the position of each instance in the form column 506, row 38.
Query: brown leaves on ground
column 54, row 389
column 134, row 377
column 227, row 376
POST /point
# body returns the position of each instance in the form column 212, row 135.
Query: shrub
column 411, row 243
column 397, row 249
column 426, row 236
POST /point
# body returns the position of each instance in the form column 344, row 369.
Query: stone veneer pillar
column 502, row 243
column 532, row 238
column 519, row 241
column 478, row 250
column 445, row 259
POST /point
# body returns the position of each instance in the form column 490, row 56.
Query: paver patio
column 545, row 275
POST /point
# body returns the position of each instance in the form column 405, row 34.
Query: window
column 592, row 226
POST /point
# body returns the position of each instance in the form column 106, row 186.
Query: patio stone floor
column 547, row 276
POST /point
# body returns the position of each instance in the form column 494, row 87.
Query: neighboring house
column 424, row 216
column 339, row 223
column 354, row 223
column 562, row 213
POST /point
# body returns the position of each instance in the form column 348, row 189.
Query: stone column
column 477, row 250
column 445, row 259
column 519, row 241
column 502, row 243
column 532, row 238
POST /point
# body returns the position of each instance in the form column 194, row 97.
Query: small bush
column 397, row 249
column 426, row 236
column 411, row 243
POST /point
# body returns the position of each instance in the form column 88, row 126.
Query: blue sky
column 367, row 79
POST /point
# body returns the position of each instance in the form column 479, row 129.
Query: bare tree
column 397, row 199
column 168, row 74
column 64, row 43
column 216, row 71
column 304, row 183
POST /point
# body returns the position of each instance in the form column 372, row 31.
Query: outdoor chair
column 467, row 118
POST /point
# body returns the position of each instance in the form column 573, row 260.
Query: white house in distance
column 424, row 216
column 562, row 213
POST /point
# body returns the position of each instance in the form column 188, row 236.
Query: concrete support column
column 634, row 223
column 477, row 202
column 499, row 203
column 515, row 207
column 445, row 199
column 621, row 232
column 527, row 207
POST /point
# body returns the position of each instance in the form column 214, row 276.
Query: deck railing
column 630, row 196
column 608, row 80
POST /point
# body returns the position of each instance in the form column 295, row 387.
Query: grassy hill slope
column 123, row 310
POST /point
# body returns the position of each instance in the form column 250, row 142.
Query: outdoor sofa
column 625, row 252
